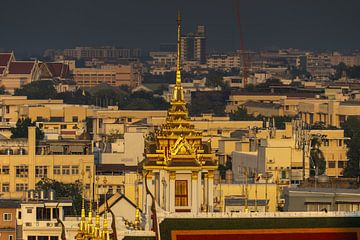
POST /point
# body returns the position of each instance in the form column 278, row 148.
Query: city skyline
column 320, row 25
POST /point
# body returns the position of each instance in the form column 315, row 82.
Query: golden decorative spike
column 97, row 218
column 90, row 229
column 137, row 218
column 106, row 234
column 178, row 63
column 83, row 220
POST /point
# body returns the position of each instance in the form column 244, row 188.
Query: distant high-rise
column 193, row 46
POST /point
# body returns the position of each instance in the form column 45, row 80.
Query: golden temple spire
column 178, row 62
column 178, row 93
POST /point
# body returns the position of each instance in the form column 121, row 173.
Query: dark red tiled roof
column 21, row 67
column 58, row 69
column 4, row 59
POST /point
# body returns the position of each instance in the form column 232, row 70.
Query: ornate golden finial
column 97, row 217
column 90, row 230
column 178, row 93
column 178, row 63
column 105, row 231
column 83, row 220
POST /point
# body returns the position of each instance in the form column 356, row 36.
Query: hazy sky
column 34, row 25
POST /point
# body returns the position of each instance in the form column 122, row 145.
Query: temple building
column 179, row 167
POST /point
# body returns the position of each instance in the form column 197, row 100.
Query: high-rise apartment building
column 193, row 46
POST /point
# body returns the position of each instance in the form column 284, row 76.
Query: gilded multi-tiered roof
column 177, row 143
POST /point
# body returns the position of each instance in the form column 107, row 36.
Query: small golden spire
column 178, row 93
column 178, row 63
column 83, row 214
column 90, row 229
column 97, row 217
column 106, row 234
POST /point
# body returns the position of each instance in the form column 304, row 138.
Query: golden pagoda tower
column 177, row 160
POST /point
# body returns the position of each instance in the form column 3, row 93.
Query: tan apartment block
column 13, row 107
column 24, row 162
column 112, row 75
column 330, row 112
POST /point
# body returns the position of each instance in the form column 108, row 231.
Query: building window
column 110, row 190
column 22, row 171
column 74, row 170
column 75, row 119
column 348, row 207
column 66, row 170
column 19, row 215
column 5, row 187
column 7, row 216
column 88, row 168
column 181, row 193
column 41, row 171
column 31, row 238
column 21, row 187
column 11, row 237
column 43, row 214
column 5, row 170
column 341, row 164
column 326, row 142
column 29, row 210
column 332, row 164
column 317, row 207
column 55, row 212
column 57, row 170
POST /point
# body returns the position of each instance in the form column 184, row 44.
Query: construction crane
column 243, row 55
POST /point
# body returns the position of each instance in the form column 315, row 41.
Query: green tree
column 317, row 159
column 352, row 131
column 63, row 190
column 42, row 89
column 21, row 129
column 241, row 115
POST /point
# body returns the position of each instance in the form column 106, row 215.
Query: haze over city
column 179, row 120
column 29, row 27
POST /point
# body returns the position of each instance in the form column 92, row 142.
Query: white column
column 206, row 192
column 210, row 191
column 200, row 191
column 194, row 192
column 172, row 192
column 149, row 180
column 162, row 197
